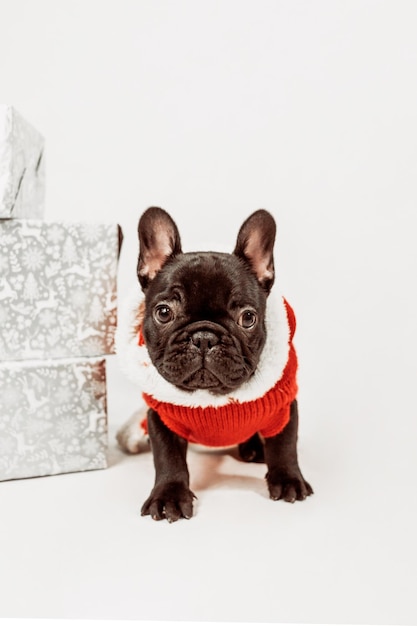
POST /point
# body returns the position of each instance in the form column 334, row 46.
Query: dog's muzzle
column 204, row 356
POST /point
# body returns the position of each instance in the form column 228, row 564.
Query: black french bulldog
column 205, row 327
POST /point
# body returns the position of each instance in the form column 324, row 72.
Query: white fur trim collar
column 135, row 361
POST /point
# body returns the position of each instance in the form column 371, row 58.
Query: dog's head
column 204, row 320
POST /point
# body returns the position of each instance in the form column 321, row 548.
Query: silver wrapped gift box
column 58, row 284
column 22, row 167
column 53, row 417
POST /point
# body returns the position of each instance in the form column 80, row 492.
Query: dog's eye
column 247, row 319
column 163, row 314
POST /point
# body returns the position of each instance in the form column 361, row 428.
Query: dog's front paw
column 287, row 485
column 169, row 501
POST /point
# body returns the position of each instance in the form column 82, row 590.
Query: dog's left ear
column 255, row 245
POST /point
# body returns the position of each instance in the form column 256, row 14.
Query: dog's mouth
column 202, row 379
column 211, row 376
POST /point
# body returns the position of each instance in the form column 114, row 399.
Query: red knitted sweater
column 235, row 422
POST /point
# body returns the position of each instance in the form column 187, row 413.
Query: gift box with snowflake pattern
column 22, row 175
column 53, row 417
column 57, row 289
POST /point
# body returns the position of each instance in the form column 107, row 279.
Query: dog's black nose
column 204, row 340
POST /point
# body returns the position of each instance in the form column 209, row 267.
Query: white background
column 214, row 109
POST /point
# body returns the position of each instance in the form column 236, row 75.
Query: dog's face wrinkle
column 180, row 364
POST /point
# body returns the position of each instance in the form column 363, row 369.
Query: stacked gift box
column 57, row 320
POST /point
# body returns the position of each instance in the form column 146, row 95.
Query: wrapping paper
column 22, row 167
column 57, row 289
column 53, row 417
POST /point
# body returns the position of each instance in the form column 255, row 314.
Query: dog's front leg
column 284, row 478
column 171, row 497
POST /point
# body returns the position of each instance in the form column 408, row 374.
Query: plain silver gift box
column 22, row 167
column 58, row 288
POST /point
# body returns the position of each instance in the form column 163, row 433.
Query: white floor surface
column 75, row 546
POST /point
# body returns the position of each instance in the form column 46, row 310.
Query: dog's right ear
column 159, row 240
